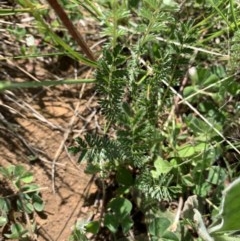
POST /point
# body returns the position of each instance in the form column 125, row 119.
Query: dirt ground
column 45, row 132
column 43, row 127
column 38, row 125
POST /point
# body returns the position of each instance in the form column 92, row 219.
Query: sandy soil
column 42, row 123
column 44, row 128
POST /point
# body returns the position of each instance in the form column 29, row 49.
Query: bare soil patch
column 38, row 125
column 36, row 128
column 36, row 133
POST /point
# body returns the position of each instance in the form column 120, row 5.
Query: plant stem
column 71, row 29
column 13, row 85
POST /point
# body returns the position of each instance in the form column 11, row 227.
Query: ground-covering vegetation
column 20, row 201
column 167, row 80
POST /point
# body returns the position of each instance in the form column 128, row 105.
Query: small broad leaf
column 17, row 231
column 111, row 222
column 28, row 208
column 126, row 224
column 19, row 170
column 5, row 205
column 162, row 167
column 189, row 90
column 170, row 236
column 38, row 203
column 25, row 206
column 188, row 150
column 124, row 176
column 230, row 210
column 120, row 215
column 21, row 173
column 6, row 172
column 30, row 188
column 158, row 228
column 92, row 227
column 216, row 175
column 3, row 221
column 188, row 180
column 121, row 206
column 27, row 177
column 210, row 80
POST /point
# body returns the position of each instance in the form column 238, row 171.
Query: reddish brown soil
column 43, row 123
column 24, row 132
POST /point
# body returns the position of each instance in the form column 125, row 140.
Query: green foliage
column 154, row 149
column 118, row 215
column 82, row 227
column 158, row 229
column 22, row 199
column 170, row 106
column 228, row 219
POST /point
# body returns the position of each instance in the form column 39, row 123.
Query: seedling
column 20, row 200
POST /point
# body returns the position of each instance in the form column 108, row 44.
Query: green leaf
column 225, row 238
column 121, row 206
column 25, row 206
column 30, row 188
column 111, row 222
column 6, row 172
column 230, row 210
column 210, row 80
column 159, row 228
column 19, row 170
column 27, row 177
column 17, row 231
column 3, row 221
column 78, row 235
column 92, row 227
column 28, row 207
column 189, row 90
column 23, row 174
column 126, row 224
column 216, row 175
column 124, row 176
column 120, row 215
column 5, row 205
column 188, row 150
column 188, row 180
column 162, row 167
column 38, row 203
column 38, row 206
column 202, row 189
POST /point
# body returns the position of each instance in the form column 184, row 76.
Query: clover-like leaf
column 158, row 229
column 162, row 167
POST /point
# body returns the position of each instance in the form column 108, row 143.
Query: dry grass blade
column 201, row 116
column 61, row 146
column 29, row 109
column 70, row 27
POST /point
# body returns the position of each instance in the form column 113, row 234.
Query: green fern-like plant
column 161, row 152
column 133, row 100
